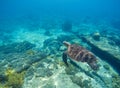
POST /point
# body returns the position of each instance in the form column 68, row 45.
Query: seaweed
column 14, row 79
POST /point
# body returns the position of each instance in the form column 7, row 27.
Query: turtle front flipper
column 64, row 57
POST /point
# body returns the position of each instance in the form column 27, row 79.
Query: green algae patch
column 14, row 79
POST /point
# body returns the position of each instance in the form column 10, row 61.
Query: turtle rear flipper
column 94, row 66
column 64, row 57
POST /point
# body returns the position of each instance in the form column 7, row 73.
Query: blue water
column 76, row 11
column 30, row 29
column 97, row 9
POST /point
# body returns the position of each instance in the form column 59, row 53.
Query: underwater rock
column 82, row 83
column 48, row 42
column 105, row 51
column 114, row 40
column 16, row 47
column 37, row 57
column 67, row 26
column 30, row 73
column 49, row 85
column 23, row 68
column 51, row 45
column 20, row 61
column 42, row 72
column 3, row 78
column 62, row 38
column 106, row 67
column 115, row 81
column 47, row 33
column 77, row 80
column 31, row 60
column 96, row 36
column 23, row 62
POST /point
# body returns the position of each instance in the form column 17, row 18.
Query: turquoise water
column 32, row 52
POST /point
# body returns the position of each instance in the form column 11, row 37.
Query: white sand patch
column 35, row 37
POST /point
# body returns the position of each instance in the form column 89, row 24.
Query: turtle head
column 67, row 44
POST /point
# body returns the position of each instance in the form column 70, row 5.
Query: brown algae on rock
column 14, row 79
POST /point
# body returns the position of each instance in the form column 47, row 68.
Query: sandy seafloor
column 39, row 56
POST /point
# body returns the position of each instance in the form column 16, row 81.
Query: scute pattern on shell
column 79, row 53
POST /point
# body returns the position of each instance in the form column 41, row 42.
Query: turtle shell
column 79, row 53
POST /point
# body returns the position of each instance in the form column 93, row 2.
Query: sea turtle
column 77, row 53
